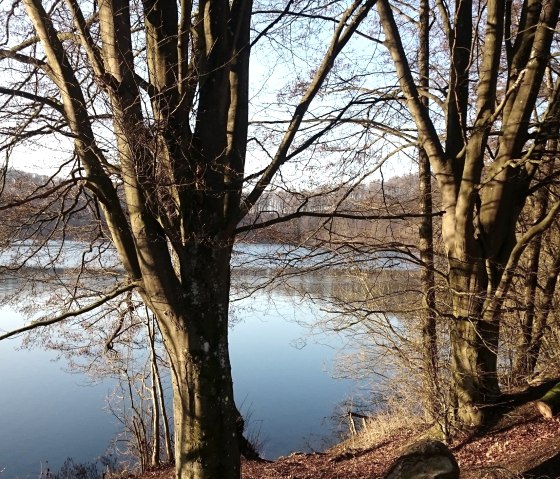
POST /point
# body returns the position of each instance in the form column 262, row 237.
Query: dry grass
column 395, row 420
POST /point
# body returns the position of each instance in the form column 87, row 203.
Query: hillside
column 63, row 208
column 529, row 448
column 521, row 444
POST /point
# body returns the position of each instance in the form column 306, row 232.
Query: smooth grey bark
column 482, row 202
column 156, row 438
column 169, row 453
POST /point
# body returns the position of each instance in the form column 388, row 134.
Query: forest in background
column 390, row 197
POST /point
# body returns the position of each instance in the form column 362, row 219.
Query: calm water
column 282, row 378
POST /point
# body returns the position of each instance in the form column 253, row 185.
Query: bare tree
column 536, row 307
column 426, row 236
column 154, row 96
column 484, row 159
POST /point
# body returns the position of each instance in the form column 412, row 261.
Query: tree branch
column 494, row 304
column 25, row 59
column 341, row 36
column 70, row 314
column 36, row 98
column 334, row 214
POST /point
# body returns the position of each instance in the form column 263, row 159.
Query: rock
column 426, row 459
column 549, row 404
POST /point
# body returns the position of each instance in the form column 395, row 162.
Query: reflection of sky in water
column 279, row 256
column 45, row 413
column 70, row 254
column 67, row 254
column 282, row 377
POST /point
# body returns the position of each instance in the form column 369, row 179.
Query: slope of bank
column 521, row 444
column 527, row 447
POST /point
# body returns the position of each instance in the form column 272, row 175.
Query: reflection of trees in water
column 377, row 311
column 381, row 288
column 53, row 278
column 119, row 341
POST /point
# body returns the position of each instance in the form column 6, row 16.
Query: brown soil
column 521, row 444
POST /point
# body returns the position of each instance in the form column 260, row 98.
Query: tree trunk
column 203, row 411
column 156, row 439
column 426, row 243
column 523, row 362
column 137, row 426
column 549, row 405
column 541, row 318
column 169, row 454
column 205, row 416
column 474, row 343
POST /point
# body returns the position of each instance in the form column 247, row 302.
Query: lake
column 283, row 380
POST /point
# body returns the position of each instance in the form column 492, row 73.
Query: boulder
column 549, row 404
column 426, row 459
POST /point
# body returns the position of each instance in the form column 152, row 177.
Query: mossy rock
column 549, row 404
column 426, row 459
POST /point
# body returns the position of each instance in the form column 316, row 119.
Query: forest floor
column 520, row 444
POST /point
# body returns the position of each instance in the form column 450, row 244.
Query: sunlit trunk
column 169, row 454
column 205, row 416
column 474, row 343
column 156, row 439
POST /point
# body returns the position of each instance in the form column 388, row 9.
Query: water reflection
column 45, row 413
column 282, row 379
column 283, row 376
